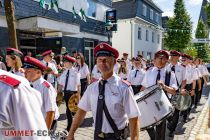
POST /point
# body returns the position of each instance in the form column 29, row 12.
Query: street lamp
column 108, row 27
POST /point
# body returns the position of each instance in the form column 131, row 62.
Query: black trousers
column 69, row 114
column 84, row 84
column 158, row 132
column 202, row 83
column 54, row 125
column 136, row 88
column 197, row 94
column 173, row 121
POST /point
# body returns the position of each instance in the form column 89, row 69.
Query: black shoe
column 171, row 134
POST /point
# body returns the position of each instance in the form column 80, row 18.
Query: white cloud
column 168, row 13
column 194, row 2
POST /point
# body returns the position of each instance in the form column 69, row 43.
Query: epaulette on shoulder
column 9, row 80
column 126, row 82
column 46, row 84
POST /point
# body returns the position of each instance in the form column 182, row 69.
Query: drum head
column 183, row 102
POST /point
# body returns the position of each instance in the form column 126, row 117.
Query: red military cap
column 104, row 49
column 46, row 53
column 30, row 62
column 125, row 54
column 174, row 53
column 13, row 51
column 162, row 53
column 186, row 56
column 137, row 59
column 69, row 58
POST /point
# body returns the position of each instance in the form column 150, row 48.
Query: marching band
column 115, row 91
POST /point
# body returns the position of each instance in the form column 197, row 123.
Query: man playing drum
column 157, row 75
column 180, row 73
column 111, row 101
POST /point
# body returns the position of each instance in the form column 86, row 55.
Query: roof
column 132, row 7
column 152, row 4
column 129, row 5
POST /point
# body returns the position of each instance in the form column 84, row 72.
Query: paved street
column 185, row 131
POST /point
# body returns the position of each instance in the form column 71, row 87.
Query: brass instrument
column 48, row 70
column 59, row 98
column 73, row 102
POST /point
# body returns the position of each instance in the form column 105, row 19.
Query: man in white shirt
column 20, row 108
column 136, row 76
column 157, row 75
column 69, row 83
column 180, row 73
column 33, row 71
column 47, row 61
column 191, row 77
column 110, row 100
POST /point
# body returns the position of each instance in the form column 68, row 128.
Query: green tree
column 201, row 32
column 207, row 9
column 179, row 33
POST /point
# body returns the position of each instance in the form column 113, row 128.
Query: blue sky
column 193, row 8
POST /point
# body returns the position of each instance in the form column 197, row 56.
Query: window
column 144, row 10
column 91, row 9
column 156, row 17
column 147, row 34
column 151, row 14
column 139, row 33
column 153, row 36
column 158, row 38
column 149, row 55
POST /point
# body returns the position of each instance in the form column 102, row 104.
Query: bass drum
column 154, row 106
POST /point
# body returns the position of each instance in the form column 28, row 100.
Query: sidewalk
column 185, row 131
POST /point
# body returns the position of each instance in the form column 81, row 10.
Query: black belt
column 83, row 80
column 111, row 135
column 69, row 92
column 135, row 85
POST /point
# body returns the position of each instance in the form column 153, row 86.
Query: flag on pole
column 74, row 12
column 42, row 4
column 54, row 5
column 83, row 15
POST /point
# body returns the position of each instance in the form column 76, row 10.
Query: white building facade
column 139, row 32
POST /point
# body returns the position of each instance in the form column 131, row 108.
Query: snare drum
column 154, row 106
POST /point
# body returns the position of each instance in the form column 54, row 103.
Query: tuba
column 59, row 98
column 73, row 102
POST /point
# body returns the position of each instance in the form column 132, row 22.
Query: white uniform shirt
column 96, row 73
column 2, row 66
column 119, row 101
column 20, row 109
column 206, row 72
column 116, row 67
column 48, row 96
column 123, row 75
column 151, row 76
column 84, row 71
column 198, row 72
column 50, row 77
column 190, row 74
column 180, row 72
column 17, row 73
column 73, row 80
column 139, row 76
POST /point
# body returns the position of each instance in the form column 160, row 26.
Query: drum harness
column 98, row 135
